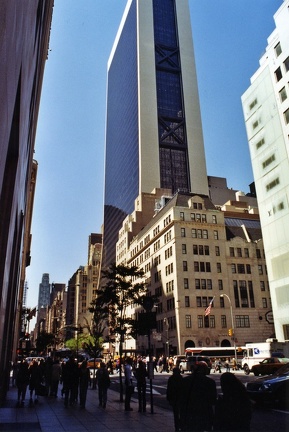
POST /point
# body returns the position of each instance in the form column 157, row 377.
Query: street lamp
column 233, row 328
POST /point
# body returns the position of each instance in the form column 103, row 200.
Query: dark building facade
column 24, row 38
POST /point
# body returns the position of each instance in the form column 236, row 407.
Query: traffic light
column 230, row 332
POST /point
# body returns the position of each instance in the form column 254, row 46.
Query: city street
column 264, row 418
column 50, row 415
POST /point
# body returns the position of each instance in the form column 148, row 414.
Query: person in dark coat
column 140, row 374
column 35, row 379
column 128, row 384
column 103, row 382
column 233, row 408
column 174, row 395
column 83, row 383
column 70, row 379
column 22, row 381
column 198, row 399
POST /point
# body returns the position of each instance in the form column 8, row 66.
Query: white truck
column 256, row 352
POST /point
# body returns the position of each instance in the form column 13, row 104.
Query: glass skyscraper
column 153, row 131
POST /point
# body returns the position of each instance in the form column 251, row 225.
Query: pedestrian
column 22, row 381
column 233, row 407
column 174, row 395
column 141, row 373
column 198, row 399
column 35, row 379
column 103, row 382
column 47, row 366
column 129, row 388
column 84, row 378
column 234, row 364
column 55, row 377
column 109, row 366
column 70, row 378
column 227, row 365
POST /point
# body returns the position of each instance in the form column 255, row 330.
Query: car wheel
column 246, row 369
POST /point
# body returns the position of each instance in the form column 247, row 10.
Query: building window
column 223, row 321
column 222, row 302
column 216, row 235
column 262, row 285
column 278, row 74
column 242, row 321
column 276, row 181
column 219, row 268
column 286, row 116
column 197, row 284
column 193, row 216
column 255, row 124
column 260, row 143
column 278, row 49
column 286, row 64
column 220, row 284
column 185, row 266
column 199, row 301
column 194, row 233
column 246, row 252
column 214, row 219
column 233, row 268
column 182, row 216
column 239, row 252
column 184, row 249
column 232, row 252
column 264, row 302
column 212, row 321
column 188, row 321
column 203, row 283
column 268, row 161
column 200, row 321
column 209, row 284
column 205, row 234
column 217, row 250
column 283, row 94
column 187, row 301
column 183, row 232
column 260, row 269
column 186, row 283
column 241, row 268
column 258, row 253
column 252, row 104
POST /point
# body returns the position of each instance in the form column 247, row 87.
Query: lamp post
column 233, row 328
column 148, row 304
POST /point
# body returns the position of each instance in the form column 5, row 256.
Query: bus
column 221, row 353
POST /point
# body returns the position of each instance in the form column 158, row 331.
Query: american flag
column 208, row 310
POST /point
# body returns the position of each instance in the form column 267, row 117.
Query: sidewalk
column 50, row 415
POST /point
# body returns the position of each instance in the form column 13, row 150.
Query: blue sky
column 229, row 39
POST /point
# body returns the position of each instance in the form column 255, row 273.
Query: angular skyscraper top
column 153, row 132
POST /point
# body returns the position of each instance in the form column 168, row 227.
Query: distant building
column 192, row 252
column 44, row 292
column 24, row 39
column 82, row 286
column 266, row 112
column 153, row 125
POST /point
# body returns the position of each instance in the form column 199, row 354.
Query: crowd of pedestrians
column 193, row 397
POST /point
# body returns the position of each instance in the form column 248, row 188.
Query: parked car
column 190, row 362
column 269, row 365
column 273, row 389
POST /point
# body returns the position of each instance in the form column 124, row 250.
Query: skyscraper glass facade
column 174, row 168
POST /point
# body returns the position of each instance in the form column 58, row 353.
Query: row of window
column 199, row 217
column 242, row 321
